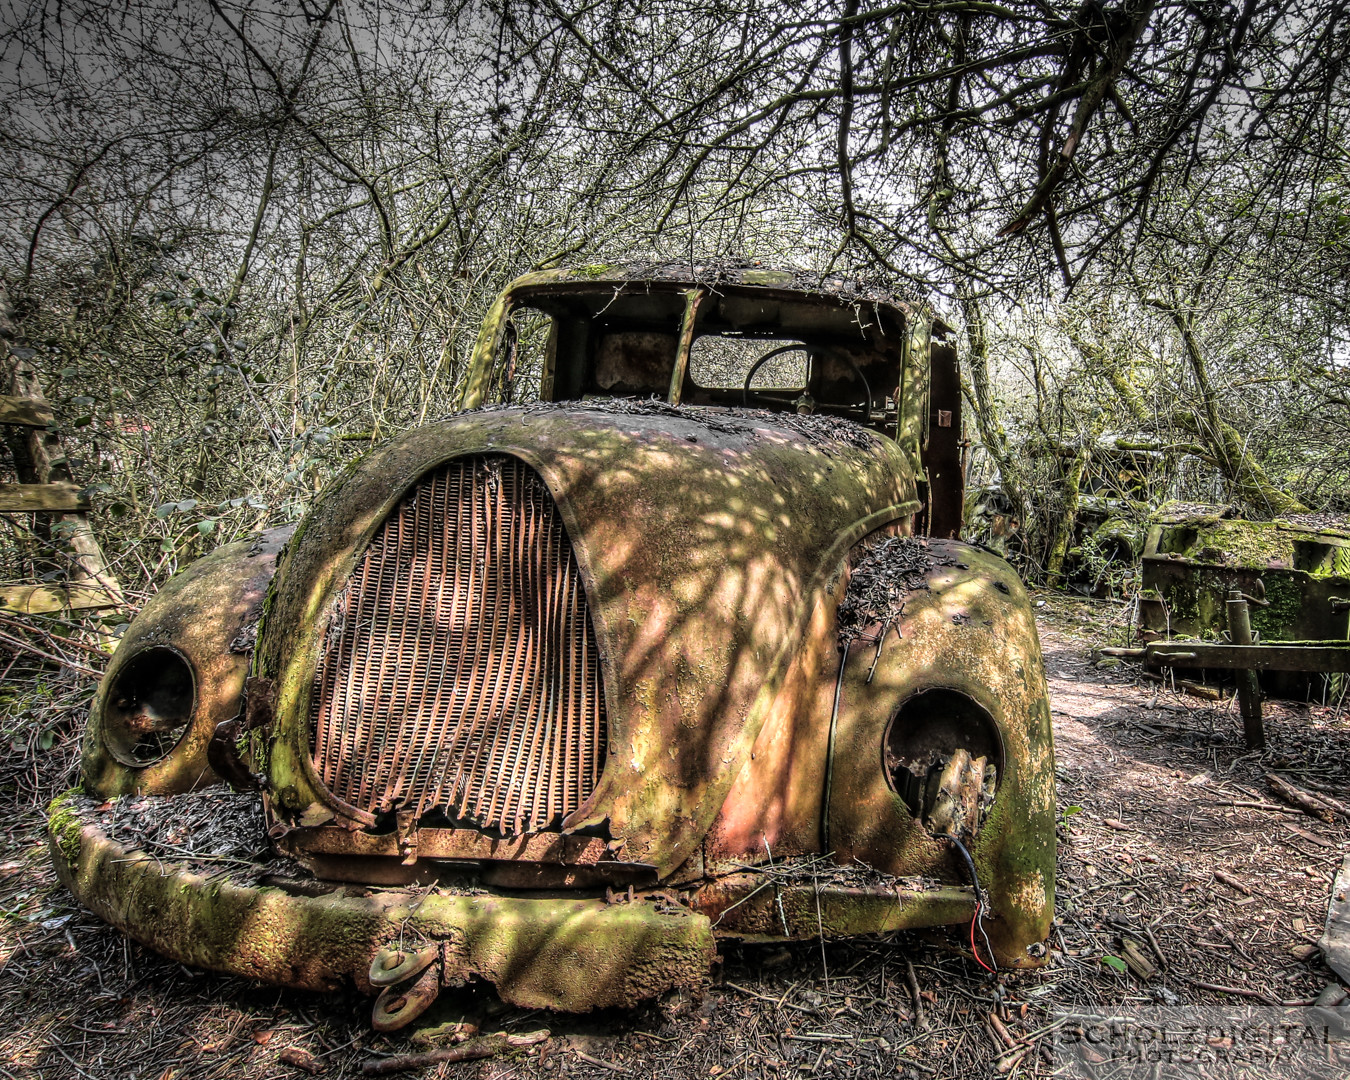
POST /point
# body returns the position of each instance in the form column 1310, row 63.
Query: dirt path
column 1152, row 850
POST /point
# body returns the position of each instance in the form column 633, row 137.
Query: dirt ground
column 1171, row 849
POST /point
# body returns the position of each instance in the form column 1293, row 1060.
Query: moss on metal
column 570, row 954
column 1192, row 560
column 971, row 631
column 64, row 824
column 698, row 613
column 714, row 548
column 1237, row 542
column 1284, row 600
column 200, row 614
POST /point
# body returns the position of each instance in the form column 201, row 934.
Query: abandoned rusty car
column 680, row 646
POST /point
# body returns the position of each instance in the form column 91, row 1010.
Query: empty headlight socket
column 943, row 757
column 148, row 707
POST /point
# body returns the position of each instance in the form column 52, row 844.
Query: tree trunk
column 979, row 394
column 1117, row 375
column 1227, row 446
column 1068, row 518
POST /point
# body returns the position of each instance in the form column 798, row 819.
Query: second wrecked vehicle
column 557, row 694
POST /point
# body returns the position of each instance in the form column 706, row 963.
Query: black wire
column 829, row 749
column 979, row 895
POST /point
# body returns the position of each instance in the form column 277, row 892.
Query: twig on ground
column 912, row 980
column 472, row 1050
column 29, row 647
column 1321, row 807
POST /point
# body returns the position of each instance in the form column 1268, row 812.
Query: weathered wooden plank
column 42, row 498
column 24, row 411
column 1278, row 656
column 42, row 599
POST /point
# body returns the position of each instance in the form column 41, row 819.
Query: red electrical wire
column 973, row 950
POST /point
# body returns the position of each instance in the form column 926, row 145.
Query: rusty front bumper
column 539, row 952
column 567, row 954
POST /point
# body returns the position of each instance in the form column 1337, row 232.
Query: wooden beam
column 25, row 412
column 43, row 599
column 1279, row 656
column 54, row 498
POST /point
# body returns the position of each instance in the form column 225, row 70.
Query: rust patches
column 826, row 433
column 748, row 657
column 983, row 668
column 958, row 670
column 699, row 602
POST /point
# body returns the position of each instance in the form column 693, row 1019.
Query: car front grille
column 459, row 672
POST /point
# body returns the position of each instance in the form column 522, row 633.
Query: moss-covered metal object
column 558, row 952
column 608, row 675
column 1292, row 573
column 178, row 673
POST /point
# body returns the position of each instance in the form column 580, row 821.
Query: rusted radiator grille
column 460, row 671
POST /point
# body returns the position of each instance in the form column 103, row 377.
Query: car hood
column 705, row 537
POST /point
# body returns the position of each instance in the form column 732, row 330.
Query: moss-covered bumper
column 570, row 954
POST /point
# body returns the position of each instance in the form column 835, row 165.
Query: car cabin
column 735, row 338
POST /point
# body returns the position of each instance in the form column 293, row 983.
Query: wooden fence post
column 46, row 483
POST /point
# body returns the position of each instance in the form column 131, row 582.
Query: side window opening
column 523, row 364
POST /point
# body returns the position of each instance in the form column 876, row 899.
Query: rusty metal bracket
column 222, row 753
column 393, row 965
column 399, row 1005
column 260, row 698
column 955, row 795
column 405, row 828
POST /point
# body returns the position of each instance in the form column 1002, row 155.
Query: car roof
column 801, row 284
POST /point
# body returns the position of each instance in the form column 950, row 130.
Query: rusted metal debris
column 555, row 695
column 1291, row 573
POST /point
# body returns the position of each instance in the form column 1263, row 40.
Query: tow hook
column 410, row 982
